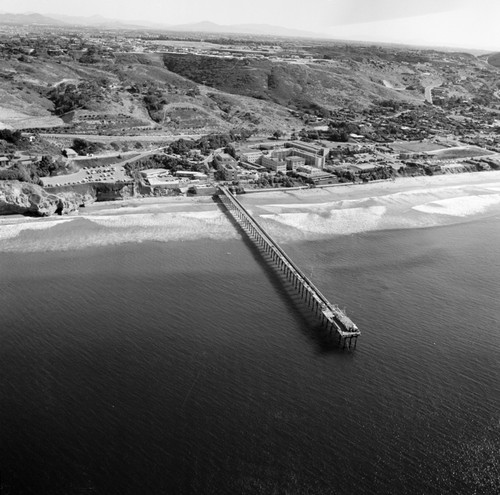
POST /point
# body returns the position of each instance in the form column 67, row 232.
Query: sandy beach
column 439, row 183
column 289, row 216
column 404, row 203
column 399, row 185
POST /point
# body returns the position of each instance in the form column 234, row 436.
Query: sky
column 456, row 23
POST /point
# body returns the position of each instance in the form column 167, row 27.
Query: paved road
column 106, row 138
column 428, row 92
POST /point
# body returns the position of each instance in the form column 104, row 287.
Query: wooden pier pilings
column 330, row 316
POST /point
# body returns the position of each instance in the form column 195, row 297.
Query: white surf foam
column 460, row 207
column 402, row 210
column 336, row 222
column 11, row 230
column 104, row 230
column 171, row 226
column 494, row 186
column 290, row 221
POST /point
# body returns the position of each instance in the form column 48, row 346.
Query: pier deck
column 334, row 319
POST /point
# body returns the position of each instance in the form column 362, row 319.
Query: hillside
column 102, row 85
column 298, row 86
column 494, row 60
column 129, row 93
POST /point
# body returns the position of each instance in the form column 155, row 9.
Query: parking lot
column 88, row 175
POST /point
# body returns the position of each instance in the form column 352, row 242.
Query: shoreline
column 289, row 216
column 440, row 187
column 142, row 202
column 398, row 185
column 345, row 191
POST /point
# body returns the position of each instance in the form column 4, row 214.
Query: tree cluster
column 19, row 172
column 278, row 180
column 84, row 147
column 154, row 102
column 12, row 137
column 208, row 143
column 91, row 56
column 159, row 161
column 32, row 172
column 67, row 97
column 47, row 166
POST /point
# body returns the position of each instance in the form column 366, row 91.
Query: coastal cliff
column 23, row 198
column 29, row 199
column 99, row 191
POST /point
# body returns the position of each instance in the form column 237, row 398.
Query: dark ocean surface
column 187, row 368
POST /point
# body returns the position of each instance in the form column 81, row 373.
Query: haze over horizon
column 453, row 23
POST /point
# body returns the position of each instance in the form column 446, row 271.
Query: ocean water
column 156, row 353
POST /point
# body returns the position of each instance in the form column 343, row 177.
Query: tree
column 277, row 134
column 65, row 98
column 91, row 56
column 83, row 147
column 18, row 172
column 230, row 150
column 45, row 166
column 10, row 136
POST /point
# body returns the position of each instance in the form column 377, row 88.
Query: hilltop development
column 92, row 114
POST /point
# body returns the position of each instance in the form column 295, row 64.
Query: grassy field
column 416, row 147
column 461, row 152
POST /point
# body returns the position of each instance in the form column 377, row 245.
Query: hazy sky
column 446, row 22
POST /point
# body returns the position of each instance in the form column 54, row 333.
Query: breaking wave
column 460, row 207
column 346, row 221
column 104, row 230
column 11, row 230
column 293, row 217
column 400, row 210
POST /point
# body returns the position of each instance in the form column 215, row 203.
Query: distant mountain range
column 28, row 19
column 97, row 21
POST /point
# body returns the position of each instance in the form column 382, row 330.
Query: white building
column 273, row 165
column 251, row 156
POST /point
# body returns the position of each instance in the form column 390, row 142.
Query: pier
column 329, row 315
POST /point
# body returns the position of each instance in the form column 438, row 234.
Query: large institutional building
column 290, row 157
column 299, row 157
